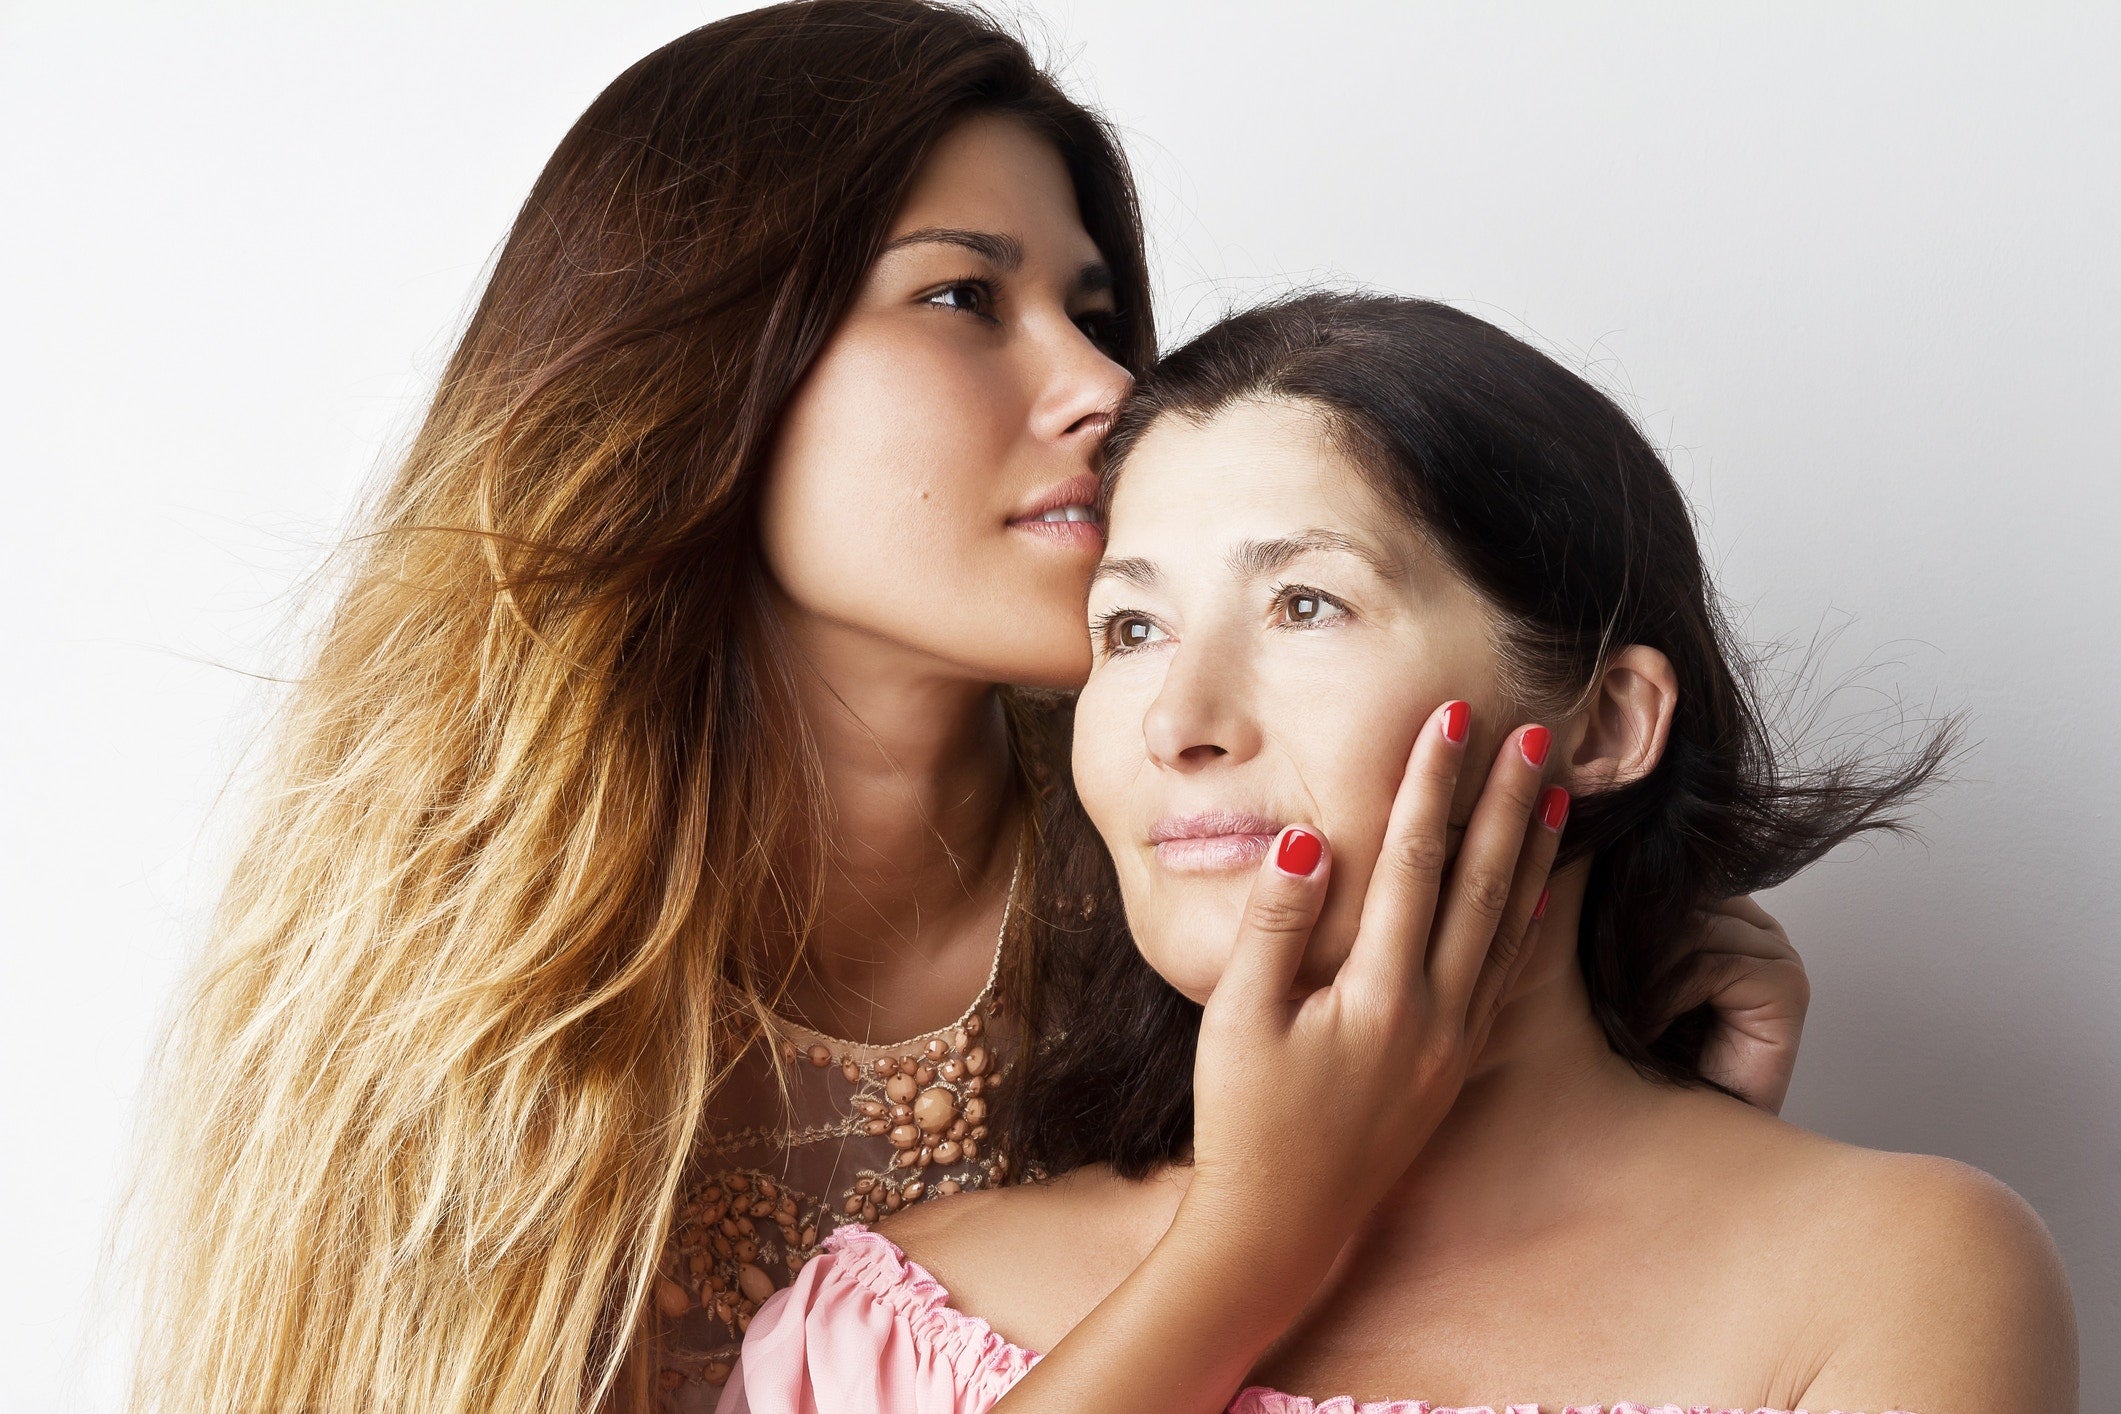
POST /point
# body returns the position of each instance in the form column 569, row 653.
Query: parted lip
column 1211, row 824
column 1075, row 491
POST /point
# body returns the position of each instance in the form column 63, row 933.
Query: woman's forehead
column 1245, row 485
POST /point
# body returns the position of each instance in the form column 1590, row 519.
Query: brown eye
column 975, row 297
column 1122, row 632
column 1308, row 606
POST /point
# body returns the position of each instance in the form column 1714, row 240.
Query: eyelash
column 1101, row 629
column 1105, row 328
column 1284, row 593
column 987, row 298
column 1101, row 327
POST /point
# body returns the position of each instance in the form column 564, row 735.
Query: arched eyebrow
column 1257, row 558
column 1004, row 253
column 1128, row 569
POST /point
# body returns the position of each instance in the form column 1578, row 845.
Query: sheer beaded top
column 867, row 1129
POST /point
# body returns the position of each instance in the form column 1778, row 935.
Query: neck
column 917, row 777
column 1546, row 1085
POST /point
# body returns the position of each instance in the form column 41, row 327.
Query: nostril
column 1201, row 755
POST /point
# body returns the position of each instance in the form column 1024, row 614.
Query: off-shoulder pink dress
column 865, row 1330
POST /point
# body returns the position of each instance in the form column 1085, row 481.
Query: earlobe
column 1627, row 721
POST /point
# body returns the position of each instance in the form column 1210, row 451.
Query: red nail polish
column 1534, row 744
column 1456, row 718
column 1539, row 909
column 1553, row 807
column 1299, row 853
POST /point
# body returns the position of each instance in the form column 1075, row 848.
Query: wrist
column 1258, row 1239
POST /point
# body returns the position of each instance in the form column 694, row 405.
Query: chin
column 1192, row 965
column 1058, row 659
column 1060, row 671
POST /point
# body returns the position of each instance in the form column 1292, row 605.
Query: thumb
column 1287, row 891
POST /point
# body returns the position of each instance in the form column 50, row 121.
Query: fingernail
column 1534, row 744
column 1539, row 909
column 1456, row 718
column 1299, row 853
column 1553, row 807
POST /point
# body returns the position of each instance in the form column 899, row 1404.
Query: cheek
column 1184, row 930
column 1356, row 797
column 893, row 472
column 882, row 462
column 1350, row 757
column 1109, row 762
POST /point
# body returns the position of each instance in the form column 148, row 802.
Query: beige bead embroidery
column 895, row 1124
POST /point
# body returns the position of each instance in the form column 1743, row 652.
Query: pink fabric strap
column 865, row 1330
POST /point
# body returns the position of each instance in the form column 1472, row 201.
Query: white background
column 1855, row 266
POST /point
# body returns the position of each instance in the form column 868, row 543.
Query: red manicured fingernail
column 1299, row 853
column 1553, row 807
column 1534, row 744
column 1456, row 718
column 1539, row 909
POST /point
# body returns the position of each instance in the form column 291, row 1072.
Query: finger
column 1287, row 891
column 1745, row 910
column 1528, row 902
column 1702, row 975
column 1528, row 895
column 1391, row 942
column 1499, row 977
column 1723, row 949
column 1738, row 925
column 1754, row 1054
column 1488, row 877
column 1742, row 988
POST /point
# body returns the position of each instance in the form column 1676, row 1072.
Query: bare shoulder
column 1943, row 1290
column 1032, row 1259
column 1897, row 1281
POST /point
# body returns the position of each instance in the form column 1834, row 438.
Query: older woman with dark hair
column 1340, row 525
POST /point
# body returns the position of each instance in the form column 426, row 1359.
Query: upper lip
column 1075, row 491
column 1208, row 824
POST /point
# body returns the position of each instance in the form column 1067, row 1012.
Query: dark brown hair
column 1544, row 497
column 542, row 802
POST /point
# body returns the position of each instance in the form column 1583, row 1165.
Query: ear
column 1624, row 727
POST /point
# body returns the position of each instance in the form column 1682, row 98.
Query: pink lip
column 1075, row 491
column 1074, row 534
column 1213, row 841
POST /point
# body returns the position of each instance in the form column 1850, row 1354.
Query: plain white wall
column 1854, row 266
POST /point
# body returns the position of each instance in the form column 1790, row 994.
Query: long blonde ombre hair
column 542, row 827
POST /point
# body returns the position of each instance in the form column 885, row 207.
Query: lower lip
column 1066, row 534
column 1212, row 854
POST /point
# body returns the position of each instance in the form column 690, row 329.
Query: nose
column 1081, row 389
column 1201, row 715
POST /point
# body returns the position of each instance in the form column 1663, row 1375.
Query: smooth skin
column 1561, row 1229
column 959, row 391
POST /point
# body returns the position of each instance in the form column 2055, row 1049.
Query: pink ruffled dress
column 865, row 1330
